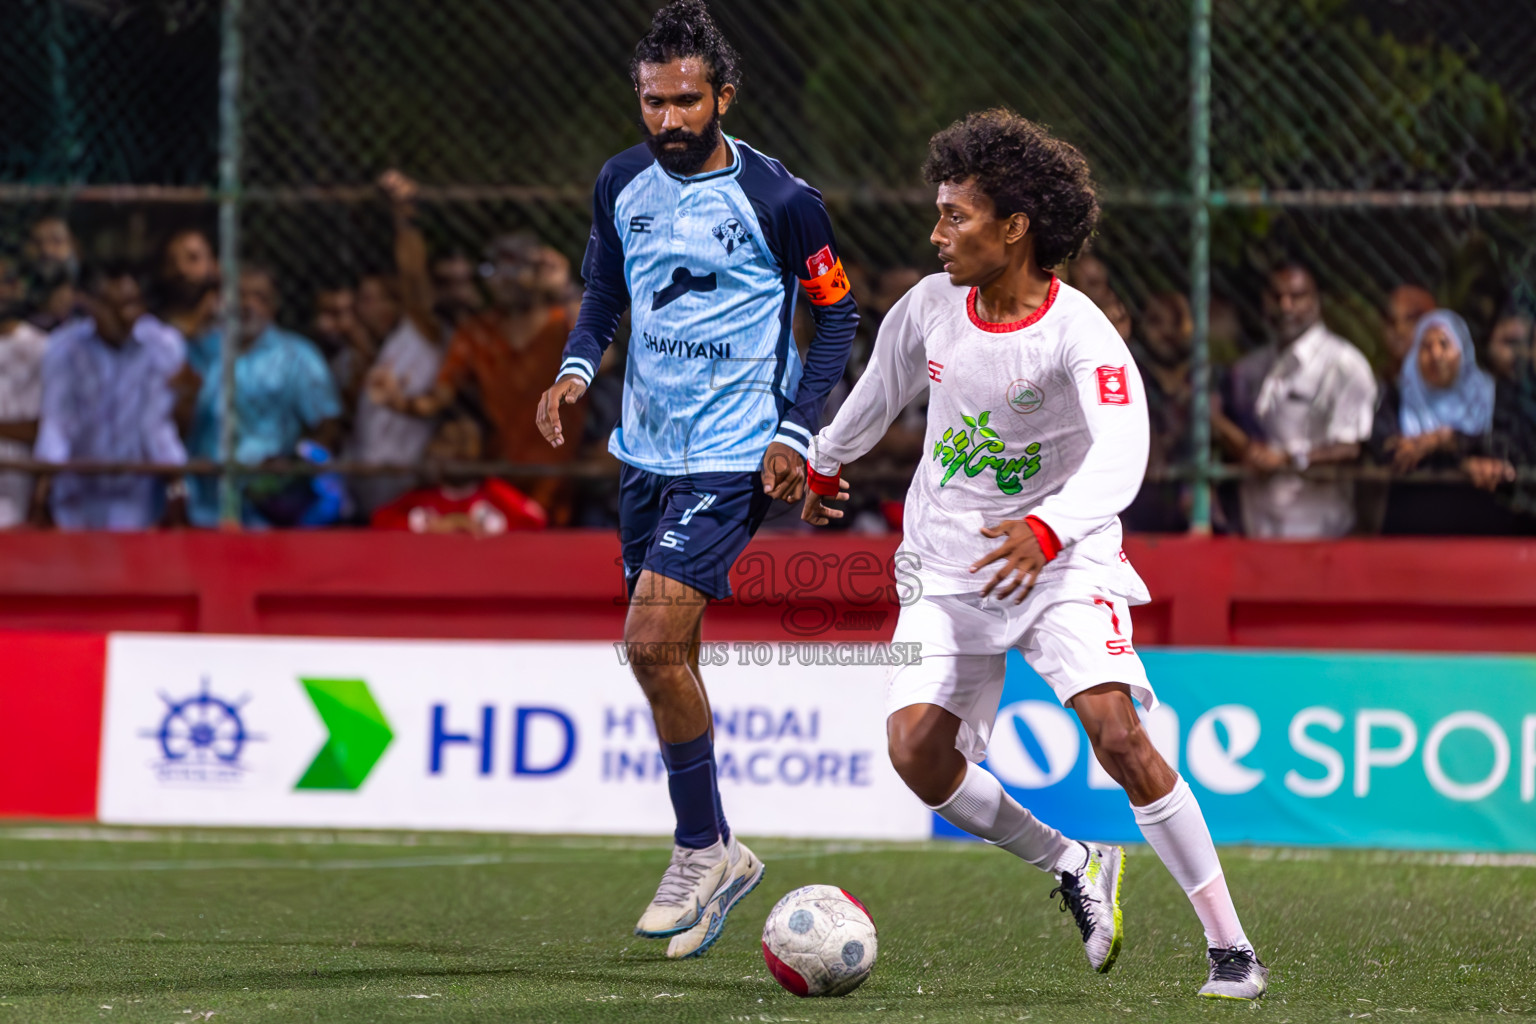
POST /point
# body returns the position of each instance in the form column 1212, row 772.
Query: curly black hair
column 1022, row 168
column 1288, row 260
column 684, row 29
column 96, row 275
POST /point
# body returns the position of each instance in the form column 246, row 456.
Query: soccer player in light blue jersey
column 703, row 240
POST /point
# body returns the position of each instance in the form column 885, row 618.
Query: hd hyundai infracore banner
column 1292, row 748
column 536, row 737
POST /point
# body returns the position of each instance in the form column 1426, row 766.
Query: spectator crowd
column 1430, row 442
column 437, row 360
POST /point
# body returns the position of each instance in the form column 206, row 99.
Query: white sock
column 982, row 808
column 1213, row 904
column 1177, row 832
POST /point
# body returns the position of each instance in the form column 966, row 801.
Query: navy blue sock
column 691, row 782
column 720, row 824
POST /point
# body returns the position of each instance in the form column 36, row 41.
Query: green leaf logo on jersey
column 979, row 449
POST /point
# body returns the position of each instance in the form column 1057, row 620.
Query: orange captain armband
column 826, row 282
column 826, row 486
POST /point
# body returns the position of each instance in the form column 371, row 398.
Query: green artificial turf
column 175, row 925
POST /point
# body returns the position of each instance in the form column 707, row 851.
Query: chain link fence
column 1384, row 142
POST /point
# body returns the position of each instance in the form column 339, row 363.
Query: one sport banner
column 505, row 736
column 1351, row 749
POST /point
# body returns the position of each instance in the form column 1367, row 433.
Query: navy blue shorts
column 688, row 528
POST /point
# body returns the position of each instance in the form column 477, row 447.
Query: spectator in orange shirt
column 508, row 354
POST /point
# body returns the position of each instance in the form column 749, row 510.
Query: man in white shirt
column 21, row 391
column 406, row 367
column 107, row 397
column 1037, row 438
column 1313, row 408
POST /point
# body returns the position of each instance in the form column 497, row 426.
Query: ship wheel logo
column 203, row 729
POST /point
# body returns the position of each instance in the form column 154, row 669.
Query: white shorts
column 1074, row 635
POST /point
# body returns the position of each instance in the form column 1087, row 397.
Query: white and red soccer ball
column 819, row 941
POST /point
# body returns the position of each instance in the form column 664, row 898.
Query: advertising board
column 1379, row 750
column 505, row 736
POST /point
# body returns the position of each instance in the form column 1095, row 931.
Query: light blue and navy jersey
column 707, row 267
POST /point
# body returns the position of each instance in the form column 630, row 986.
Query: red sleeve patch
column 819, row 263
column 1113, row 389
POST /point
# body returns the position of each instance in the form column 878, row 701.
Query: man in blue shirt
column 107, row 397
column 702, row 239
column 283, row 394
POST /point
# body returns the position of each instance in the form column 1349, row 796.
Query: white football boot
column 1093, row 898
column 686, row 888
column 1235, row 974
column 742, row 877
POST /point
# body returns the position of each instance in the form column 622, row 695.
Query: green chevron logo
column 359, row 734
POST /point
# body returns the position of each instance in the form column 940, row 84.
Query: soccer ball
column 819, row 941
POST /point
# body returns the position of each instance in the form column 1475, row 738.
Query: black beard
column 690, row 160
column 516, row 302
column 328, row 344
column 181, row 295
column 450, row 312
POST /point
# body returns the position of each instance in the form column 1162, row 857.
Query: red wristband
column 1050, row 545
column 826, row 486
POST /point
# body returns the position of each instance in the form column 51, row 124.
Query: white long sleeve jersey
column 1044, row 417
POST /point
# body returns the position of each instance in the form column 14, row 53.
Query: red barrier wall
column 1465, row 595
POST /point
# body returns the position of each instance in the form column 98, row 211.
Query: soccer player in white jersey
column 1036, row 440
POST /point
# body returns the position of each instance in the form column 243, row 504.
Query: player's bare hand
column 567, row 391
column 783, row 473
column 1021, row 557
column 817, row 512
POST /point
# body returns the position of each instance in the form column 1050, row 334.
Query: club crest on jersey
column 1024, row 396
column 1113, row 389
column 977, row 448
column 731, row 234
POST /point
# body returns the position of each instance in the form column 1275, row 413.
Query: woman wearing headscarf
column 1443, row 417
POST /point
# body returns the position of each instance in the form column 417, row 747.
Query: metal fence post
column 1200, row 259
column 229, row 255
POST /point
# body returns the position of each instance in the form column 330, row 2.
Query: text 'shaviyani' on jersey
column 1045, row 417
column 707, row 267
